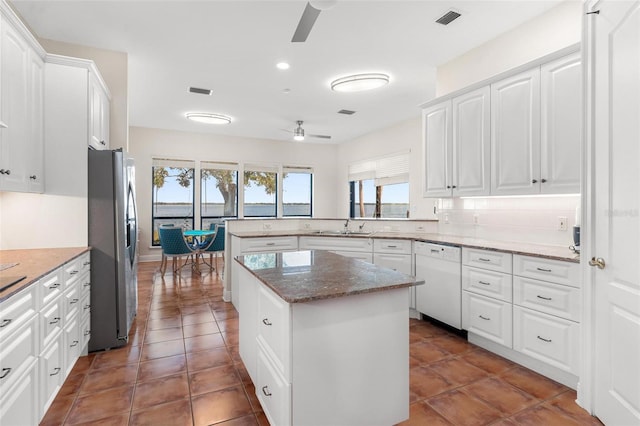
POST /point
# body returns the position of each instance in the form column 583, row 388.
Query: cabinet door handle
column 483, row 259
column 33, row 177
column 85, row 307
column 266, row 321
column 55, row 371
column 454, row 187
column 75, row 343
column 543, row 270
column 5, row 372
column 484, row 318
column 73, row 272
column 55, row 320
column 543, row 298
column 87, row 263
column 265, row 391
column 5, row 322
column 87, row 332
column 484, row 283
column 448, row 186
column 86, row 284
column 102, row 143
column 52, row 286
column 271, row 244
column 544, row 340
column 73, row 301
column 534, row 181
column 543, row 180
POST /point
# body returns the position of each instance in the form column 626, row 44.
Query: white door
column 471, row 135
column 515, row 134
column 561, row 125
column 616, row 202
column 437, row 150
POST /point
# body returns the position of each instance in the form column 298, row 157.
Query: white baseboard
column 150, row 258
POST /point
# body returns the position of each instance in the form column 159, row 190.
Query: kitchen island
column 325, row 338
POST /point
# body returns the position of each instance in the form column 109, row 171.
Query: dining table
column 198, row 235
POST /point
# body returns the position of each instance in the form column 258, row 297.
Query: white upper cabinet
column 515, row 134
column 21, row 93
column 561, row 120
column 99, row 114
column 437, row 152
column 471, row 146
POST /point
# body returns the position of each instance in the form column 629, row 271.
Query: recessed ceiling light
column 208, row 118
column 282, row 66
column 359, row 82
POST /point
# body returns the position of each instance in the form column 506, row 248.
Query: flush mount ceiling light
column 208, row 118
column 283, row 66
column 359, row 82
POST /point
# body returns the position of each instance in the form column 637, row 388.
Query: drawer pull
column 266, row 321
column 543, row 298
column 5, row 372
column 52, row 286
column 484, row 283
column 483, row 259
column 392, row 246
column 86, row 284
column 543, row 270
column 73, row 301
column 55, row 320
column 544, row 340
column 271, row 244
column 73, row 272
column 55, row 371
column 75, row 343
column 87, row 263
column 265, row 391
column 435, row 251
column 484, row 318
column 5, row 322
column 85, row 307
column 87, row 332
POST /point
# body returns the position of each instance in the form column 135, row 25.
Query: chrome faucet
column 346, row 227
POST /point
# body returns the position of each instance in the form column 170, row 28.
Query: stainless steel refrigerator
column 113, row 233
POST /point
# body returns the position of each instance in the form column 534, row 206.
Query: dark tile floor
column 182, row 367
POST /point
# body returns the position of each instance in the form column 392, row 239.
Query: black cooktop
column 8, row 281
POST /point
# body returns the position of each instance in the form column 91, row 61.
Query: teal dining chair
column 216, row 247
column 174, row 246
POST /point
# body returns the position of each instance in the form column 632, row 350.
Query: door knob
column 599, row 262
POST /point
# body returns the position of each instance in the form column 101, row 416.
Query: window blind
column 362, row 170
column 267, row 168
column 387, row 170
column 296, row 169
column 218, row 165
column 177, row 164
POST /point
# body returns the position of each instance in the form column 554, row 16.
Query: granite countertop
column 34, row 264
column 527, row 249
column 309, row 275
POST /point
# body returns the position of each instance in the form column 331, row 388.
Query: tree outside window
column 219, row 194
column 260, row 188
column 172, row 198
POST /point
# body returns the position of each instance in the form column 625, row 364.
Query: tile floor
column 182, row 367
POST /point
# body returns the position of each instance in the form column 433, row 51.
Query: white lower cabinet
column 52, row 372
column 273, row 391
column 19, row 404
column 487, row 317
column 354, row 247
column 547, row 338
column 18, row 351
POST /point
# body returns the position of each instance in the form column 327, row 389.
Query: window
column 260, row 189
column 380, row 187
column 218, row 192
column 296, row 191
column 172, row 195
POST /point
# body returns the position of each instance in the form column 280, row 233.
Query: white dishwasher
column 440, row 297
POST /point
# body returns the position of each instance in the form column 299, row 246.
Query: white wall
column 144, row 144
column 402, row 137
column 558, row 28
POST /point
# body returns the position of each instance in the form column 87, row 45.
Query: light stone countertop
column 310, row 275
column 34, row 264
column 527, row 249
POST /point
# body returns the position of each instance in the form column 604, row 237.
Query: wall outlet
column 476, row 219
column 562, row 223
column 307, row 226
column 266, row 226
column 446, row 218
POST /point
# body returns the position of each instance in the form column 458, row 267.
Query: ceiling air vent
column 346, row 112
column 448, row 17
column 200, row 91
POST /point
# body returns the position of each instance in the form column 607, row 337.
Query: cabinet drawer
column 71, row 344
column 73, row 271
column 366, row 257
column 397, row 262
column 556, row 271
column 274, row 328
column 273, row 392
column 486, row 317
column 554, row 299
column 85, row 284
column 50, row 287
column 51, row 318
column 336, row 244
column 486, row 259
column 85, row 331
column 85, row 306
column 392, row 246
column 547, row 338
column 17, row 352
column 72, row 301
column 254, row 245
column 51, row 373
column 487, row 283
column 17, row 310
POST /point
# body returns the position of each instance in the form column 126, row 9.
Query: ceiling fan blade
column 307, row 20
column 320, row 136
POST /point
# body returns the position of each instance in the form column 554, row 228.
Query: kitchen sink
column 347, row 233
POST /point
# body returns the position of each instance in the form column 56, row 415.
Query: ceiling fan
column 311, row 12
column 299, row 134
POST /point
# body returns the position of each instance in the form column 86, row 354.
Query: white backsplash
column 520, row 219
